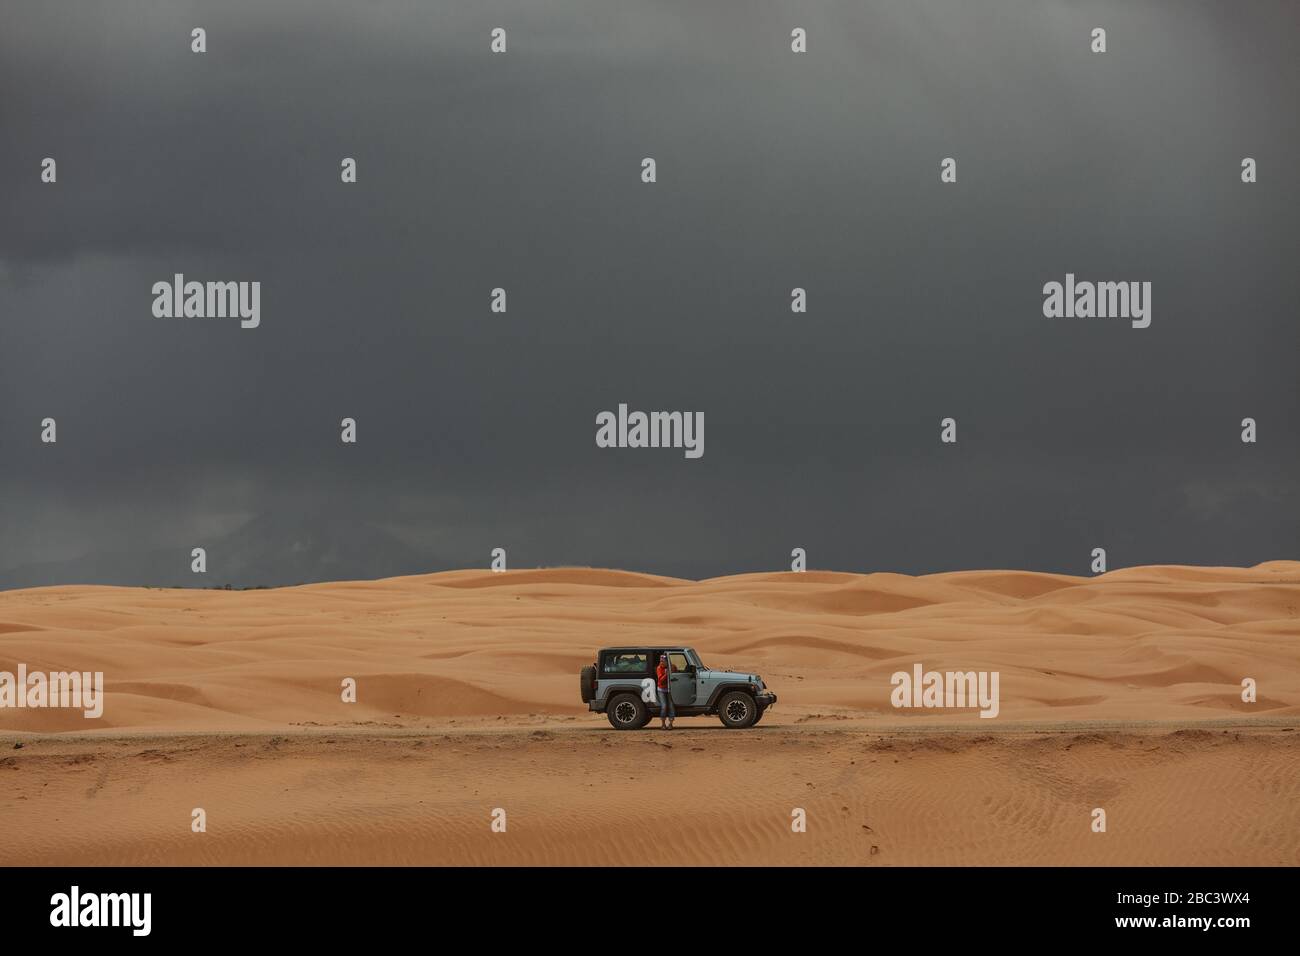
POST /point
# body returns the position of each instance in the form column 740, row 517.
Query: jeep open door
column 681, row 679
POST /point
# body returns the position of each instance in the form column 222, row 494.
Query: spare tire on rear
column 588, row 683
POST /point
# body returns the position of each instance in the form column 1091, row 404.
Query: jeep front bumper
column 765, row 699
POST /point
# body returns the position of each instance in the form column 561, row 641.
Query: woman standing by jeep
column 667, row 712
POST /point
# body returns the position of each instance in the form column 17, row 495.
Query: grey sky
column 775, row 170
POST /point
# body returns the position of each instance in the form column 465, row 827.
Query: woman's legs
column 667, row 712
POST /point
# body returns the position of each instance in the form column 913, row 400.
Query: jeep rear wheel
column 737, row 710
column 627, row 712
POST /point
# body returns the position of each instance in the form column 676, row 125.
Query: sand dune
column 1167, row 644
column 1121, row 692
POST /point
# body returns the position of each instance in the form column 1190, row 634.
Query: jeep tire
column 588, row 679
column 737, row 710
column 627, row 712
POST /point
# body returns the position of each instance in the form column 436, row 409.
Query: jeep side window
column 633, row 662
column 679, row 662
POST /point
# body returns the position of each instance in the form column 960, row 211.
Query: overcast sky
column 775, row 170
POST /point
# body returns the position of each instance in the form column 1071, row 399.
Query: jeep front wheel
column 627, row 712
column 737, row 710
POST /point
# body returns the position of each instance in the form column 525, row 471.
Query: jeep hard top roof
column 646, row 647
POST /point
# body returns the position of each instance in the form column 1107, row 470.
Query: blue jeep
column 621, row 685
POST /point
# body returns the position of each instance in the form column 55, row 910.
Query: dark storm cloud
column 775, row 170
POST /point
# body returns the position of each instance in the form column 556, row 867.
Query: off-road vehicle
column 621, row 685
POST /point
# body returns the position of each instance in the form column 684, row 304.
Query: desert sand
column 1121, row 691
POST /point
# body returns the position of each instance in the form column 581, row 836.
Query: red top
column 661, row 672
